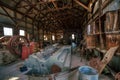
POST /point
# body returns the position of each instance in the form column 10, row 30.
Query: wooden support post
column 38, row 27
column 55, row 35
column 43, row 33
column 16, row 30
column 50, row 37
column 54, row 4
column 1, row 31
column 100, row 27
column 33, row 33
column 26, row 27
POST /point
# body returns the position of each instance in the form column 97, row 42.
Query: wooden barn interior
column 59, row 39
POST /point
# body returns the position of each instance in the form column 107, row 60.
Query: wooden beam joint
column 82, row 5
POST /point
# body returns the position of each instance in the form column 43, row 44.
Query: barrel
column 87, row 73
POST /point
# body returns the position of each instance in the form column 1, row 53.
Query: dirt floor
column 11, row 71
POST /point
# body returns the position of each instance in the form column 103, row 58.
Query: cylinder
column 87, row 73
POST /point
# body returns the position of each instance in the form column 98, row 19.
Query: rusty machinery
column 117, row 76
column 95, row 63
column 15, row 44
column 11, row 48
column 3, row 41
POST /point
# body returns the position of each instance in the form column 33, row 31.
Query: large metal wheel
column 15, row 44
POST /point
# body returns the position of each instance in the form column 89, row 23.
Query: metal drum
column 87, row 73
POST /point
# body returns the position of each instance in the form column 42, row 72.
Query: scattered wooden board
column 108, row 56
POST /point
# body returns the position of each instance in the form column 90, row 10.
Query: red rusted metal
column 18, row 45
column 95, row 63
column 117, row 76
column 15, row 44
column 4, row 39
column 32, row 47
column 25, row 52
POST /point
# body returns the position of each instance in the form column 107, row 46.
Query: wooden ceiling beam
column 31, row 4
column 62, row 14
column 39, row 3
column 54, row 4
column 13, row 9
column 14, row 1
column 18, row 3
column 8, row 14
column 14, row 18
column 51, row 10
column 59, row 22
column 106, row 2
column 82, row 5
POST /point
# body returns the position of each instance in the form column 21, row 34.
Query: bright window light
column 88, row 29
column 45, row 38
column 8, row 31
column 53, row 37
column 61, row 36
column 73, row 36
column 22, row 32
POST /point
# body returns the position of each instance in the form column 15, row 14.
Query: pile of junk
column 51, row 63
column 13, row 48
column 51, row 60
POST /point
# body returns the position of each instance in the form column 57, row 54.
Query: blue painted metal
column 88, row 73
column 40, row 63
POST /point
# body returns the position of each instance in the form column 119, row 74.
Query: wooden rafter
column 26, row 13
column 62, row 14
column 54, row 4
column 60, row 24
column 39, row 3
column 31, row 4
column 17, row 19
column 44, row 11
column 18, row 3
column 47, row 5
column 8, row 14
column 12, row 8
column 81, row 4
column 106, row 2
column 51, row 10
column 65, row 18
